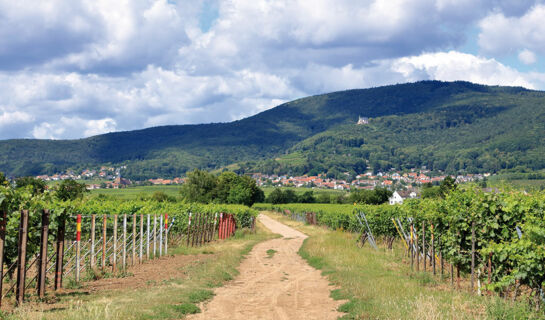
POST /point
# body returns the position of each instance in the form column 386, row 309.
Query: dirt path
column 283, row 286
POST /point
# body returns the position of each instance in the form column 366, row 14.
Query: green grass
column 167, row 299
column 136, row 192
column 270, row 253
column 379, row 285
column 268, row 190
column 520, row 184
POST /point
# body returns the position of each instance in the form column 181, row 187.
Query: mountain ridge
column 173, row 149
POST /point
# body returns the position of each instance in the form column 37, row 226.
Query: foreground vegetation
column 380, row 284
column 212, row 266
column 517, row 260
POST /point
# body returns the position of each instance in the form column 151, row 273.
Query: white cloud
column 507, row 35
column 95, row 127
column 527, row 57
column 13, row 118
column 451, row 66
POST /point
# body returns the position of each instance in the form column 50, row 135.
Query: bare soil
column 274, row 285
column 148, row 274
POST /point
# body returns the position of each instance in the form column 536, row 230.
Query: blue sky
column 71, row 69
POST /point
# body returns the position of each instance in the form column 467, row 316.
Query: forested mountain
column 443, row 125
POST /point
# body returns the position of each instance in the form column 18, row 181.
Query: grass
column 169, row 299
column 379, row 285
column 317, row 191
column 137, row 192
column 270, row 253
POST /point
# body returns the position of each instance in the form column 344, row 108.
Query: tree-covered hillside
column 473, row 132
column 445, row 125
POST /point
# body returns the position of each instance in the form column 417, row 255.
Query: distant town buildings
column 405, row 183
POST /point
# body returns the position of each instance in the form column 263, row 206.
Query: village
column 111, row 178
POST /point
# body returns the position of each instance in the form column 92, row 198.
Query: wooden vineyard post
column 78, row 246
column 412, row 249
column 154, row 236
column 417, row 250
column 188, row 228
column 141, row 238
column 211, row 227
column 3, row 223
column 198, row 222
column 224, row 227
column 60, row 253
column 458, row 276
column 220, row 226
column 114, row 262
column 197, row 228
column 472, row 256
column 124, row 250
column 194, row 228
column 166, row 234
column 21, row 260
column 203, row 228
column 433, row 249
column 160, row 235
column 424, row 245
column 208, row 226
column 215, row 224
column 148, row 236
column 204, row 223
column 92, row 260
column 134, row 239
column 42, row 271
column 231, row 226
column 441, row 258
column 104, row 239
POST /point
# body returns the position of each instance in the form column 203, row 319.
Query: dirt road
column 274, row 285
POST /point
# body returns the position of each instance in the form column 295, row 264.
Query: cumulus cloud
column 501, row 34
column 451, row 66
column 527, row 57
column 8, row 118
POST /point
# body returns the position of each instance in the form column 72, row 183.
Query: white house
column 395, row 198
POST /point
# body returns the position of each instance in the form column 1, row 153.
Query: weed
column 270, row 253
column 200, row 295
column 186, row 308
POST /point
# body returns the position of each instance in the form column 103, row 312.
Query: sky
column 73, row 69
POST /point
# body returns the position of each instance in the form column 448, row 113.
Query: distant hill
column 442, row 125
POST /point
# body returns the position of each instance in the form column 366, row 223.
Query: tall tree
column 70, row 190
column 37, row 185
column 199, row 186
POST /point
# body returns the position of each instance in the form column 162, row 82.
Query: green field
column 174, row 191
column 135, row 192
column 298, row 191
column 523, row 184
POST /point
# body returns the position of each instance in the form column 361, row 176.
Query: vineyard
column 497, row 239
column 80, row 238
